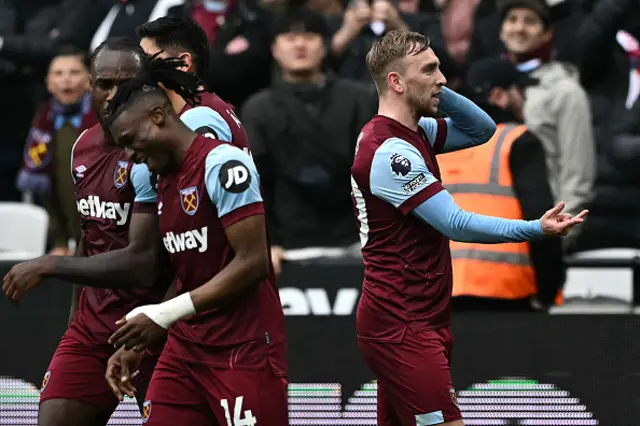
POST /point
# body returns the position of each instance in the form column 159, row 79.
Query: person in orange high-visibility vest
column 505, row 177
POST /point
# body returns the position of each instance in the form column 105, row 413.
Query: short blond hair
column 392, row 47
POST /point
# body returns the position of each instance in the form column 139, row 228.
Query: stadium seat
column 23, row 231
column 612, row 285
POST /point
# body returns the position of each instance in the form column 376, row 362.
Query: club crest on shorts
column 121, row 174
column 45, row 380
column 454, row 398
column 189, row 200
column 146, row 411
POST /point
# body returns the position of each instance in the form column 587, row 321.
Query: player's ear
column 187, row 59
column 158, row 116
column 498, row 96
column 395, row 82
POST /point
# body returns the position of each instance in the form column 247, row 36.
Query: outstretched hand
column 555, row 223
column 24, row 277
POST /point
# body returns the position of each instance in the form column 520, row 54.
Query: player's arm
column 233, row 185
column 207, row 122
column 466, row 125
column 413, row 189
column 133, row 265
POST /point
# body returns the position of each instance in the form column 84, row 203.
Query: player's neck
column 176, row 101
column 184, row 138
column 398, row 111
column 303, row 78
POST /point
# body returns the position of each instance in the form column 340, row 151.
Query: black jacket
column 32, row 29
column 236, row 77
column 303, row 140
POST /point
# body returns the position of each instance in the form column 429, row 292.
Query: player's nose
column 441, row 80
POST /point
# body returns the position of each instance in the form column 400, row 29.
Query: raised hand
column 556, row 223
column 24, row 277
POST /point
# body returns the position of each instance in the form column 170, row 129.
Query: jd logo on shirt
column 235, row 176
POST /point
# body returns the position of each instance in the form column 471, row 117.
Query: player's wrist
column 167, row 313
column 47, row 265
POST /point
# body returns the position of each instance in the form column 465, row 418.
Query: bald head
column 114, row 61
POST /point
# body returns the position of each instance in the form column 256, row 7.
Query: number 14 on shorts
column 248, row 419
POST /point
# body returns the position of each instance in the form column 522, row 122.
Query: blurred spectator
column 595, row 49
column 362, row 25
column 330, row 8
column 457, row 19
column 557, row 109
column 238, row 32
column 565, row 16
column 505, row 177
column 47, row 155
column 606, row 57
column 29, row 31
column 126, row 15
column 613, row 220
column 302, row 133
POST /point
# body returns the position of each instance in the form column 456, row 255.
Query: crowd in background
column 295, row 71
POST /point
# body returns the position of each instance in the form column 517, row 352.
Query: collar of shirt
column 73, row 114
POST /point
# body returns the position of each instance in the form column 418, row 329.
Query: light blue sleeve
column 398, row 172
column 442, row 212
column 467, row 124
column 205, row 120
column 141, row 180
column 231, row 179
column 430, row 127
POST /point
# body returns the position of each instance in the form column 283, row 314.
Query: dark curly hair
column 174, row 33
column 156, row 71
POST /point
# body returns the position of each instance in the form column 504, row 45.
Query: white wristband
column 166, row 313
